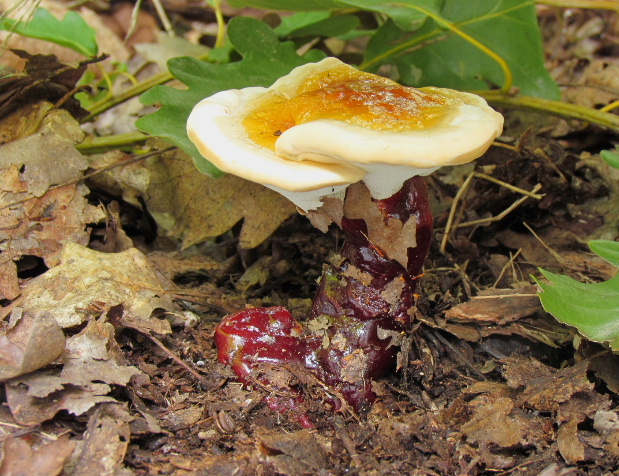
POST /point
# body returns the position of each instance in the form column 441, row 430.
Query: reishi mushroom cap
column 322, row 156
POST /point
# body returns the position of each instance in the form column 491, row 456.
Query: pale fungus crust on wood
column 317, row 154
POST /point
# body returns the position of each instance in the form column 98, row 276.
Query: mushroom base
column 362, row 309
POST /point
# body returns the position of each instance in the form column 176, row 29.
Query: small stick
column 175, row 358
column 92, row 174
column 501, row 215
column 509, row 263
column 461, row 193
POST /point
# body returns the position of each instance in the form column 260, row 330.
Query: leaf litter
column 105, row 371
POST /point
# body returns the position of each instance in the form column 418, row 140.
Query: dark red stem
column 363, row 303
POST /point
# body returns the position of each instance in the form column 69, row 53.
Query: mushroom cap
column 322, row 157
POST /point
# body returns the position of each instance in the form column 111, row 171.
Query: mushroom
column 349, row 148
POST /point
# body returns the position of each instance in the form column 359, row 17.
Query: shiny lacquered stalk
column 362, row 308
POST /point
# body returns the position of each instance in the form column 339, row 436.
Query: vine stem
column 590, row 4
column 130, row 93
column 555, row 108
column 95, row 145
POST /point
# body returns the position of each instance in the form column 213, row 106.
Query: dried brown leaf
column 105, row 442
column 492, row 422
column 85, row 276
column 34, row 218
column 294, row 453
column 544, row 388
column 570, row 447
column 193, row 207
column 91, row 366
column 22, row 458
column 33, row 342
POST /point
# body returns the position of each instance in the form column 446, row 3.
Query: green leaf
column 286, row 5
column 463, row 45
column 407, row 14
column 265, row 59
column 71, row 32
column 329, row 27
column 291, row 23
column 612, row 158
column 592, row 308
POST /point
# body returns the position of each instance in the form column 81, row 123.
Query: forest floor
column 492, row 384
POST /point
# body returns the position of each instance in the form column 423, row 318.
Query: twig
column 449, row 226
column 95, row 145
column 501, row 215
column 555, row 108
column 452, row 212
column 92, row 174
column 175, row 358
column 552, row 252
column 511, row 187
column 508, row 264
column 163, row 16
column 459, row 355
column 132, row 92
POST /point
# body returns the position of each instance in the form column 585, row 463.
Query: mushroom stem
column 367, row 298
column 362, row 308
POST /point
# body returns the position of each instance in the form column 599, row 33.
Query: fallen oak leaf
column 91, row 365
column 85, row 276
column 195, row 207
column 35, row 214
column 33, row 342
column 23, row 457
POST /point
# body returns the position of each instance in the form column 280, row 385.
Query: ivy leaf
column 461, row 44
column 71, row 32
column 592, row 308
column 265, row 59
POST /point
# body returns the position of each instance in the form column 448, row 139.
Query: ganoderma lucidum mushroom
column 349, row 148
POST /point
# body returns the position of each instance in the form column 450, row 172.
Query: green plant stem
column 130, row 93
column 592, row 4
column 555, row 108
column 221, row 24
column 95, row 145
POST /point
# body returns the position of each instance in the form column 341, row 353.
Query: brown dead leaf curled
column 22, row 457
column 32, row 343
column 90, row 367
column 193, row 207
column 85, row 276
column 105, row 442
column 44, row 79
column 35, row 219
